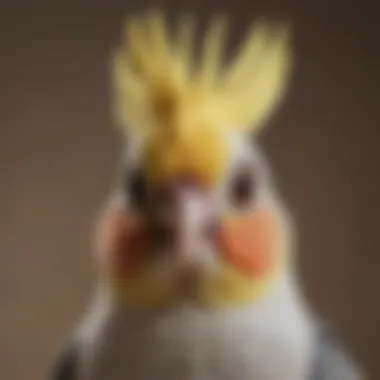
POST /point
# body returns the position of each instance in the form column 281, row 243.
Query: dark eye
column 137, row 189
column 243, row 188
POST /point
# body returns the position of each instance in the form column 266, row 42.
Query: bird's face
column 186, row 236
column 199, row 221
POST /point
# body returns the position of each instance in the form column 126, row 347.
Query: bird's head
column 199, row 220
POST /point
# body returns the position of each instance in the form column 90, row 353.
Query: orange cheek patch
column 251, row 243
column 121, row 242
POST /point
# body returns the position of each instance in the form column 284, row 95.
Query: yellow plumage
column 182, row 108
column 227, row 289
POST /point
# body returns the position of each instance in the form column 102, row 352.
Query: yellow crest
column 183, row 106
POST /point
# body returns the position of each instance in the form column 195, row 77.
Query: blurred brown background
column 59, row 153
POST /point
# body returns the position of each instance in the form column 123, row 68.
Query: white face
column 183, row 217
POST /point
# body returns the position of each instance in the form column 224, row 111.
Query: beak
column 184, row 218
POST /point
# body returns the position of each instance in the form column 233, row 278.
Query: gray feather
column 333, row 362
column 66, row 365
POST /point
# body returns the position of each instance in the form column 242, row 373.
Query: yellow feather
column 248, row 55
column 135, row 42
column 158, row 44
column 226, row 289
column 213, row 49
column 185, row 42
column 128, row 89
column 158, row 93
column 264, row 87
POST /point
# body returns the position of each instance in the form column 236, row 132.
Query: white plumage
column 271, row 340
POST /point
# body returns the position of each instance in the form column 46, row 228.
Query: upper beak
column 183, row 215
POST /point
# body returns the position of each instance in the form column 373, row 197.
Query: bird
column 195, row 250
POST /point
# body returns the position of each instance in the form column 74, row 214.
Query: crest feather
column 213, row 49
column 185, row 43
column 157, row 79
column 259, row 76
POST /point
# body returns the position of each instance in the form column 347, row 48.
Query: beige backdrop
column 59, row 154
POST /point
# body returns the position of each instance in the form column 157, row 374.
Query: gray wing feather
column 66, row 365
column 333, row 362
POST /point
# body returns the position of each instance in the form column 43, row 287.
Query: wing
column 66, row 365
column 332, row 361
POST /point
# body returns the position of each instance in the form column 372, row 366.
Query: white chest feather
column 272, row 340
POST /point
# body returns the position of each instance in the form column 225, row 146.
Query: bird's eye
column 137, row 190
column 243, row 188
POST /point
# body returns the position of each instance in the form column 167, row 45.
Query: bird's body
column 276, row 339
column 195, row 253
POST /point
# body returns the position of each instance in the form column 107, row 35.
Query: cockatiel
column 195, row 250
